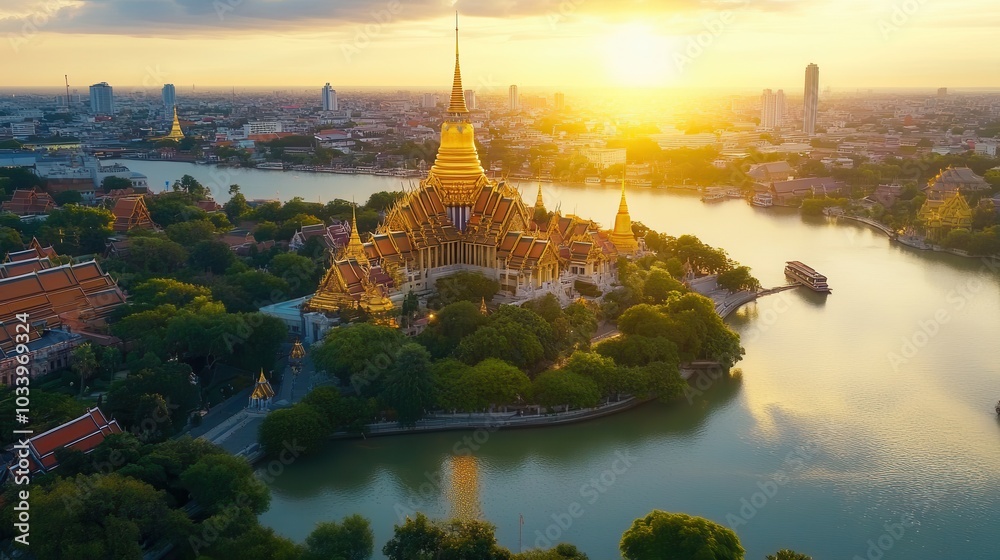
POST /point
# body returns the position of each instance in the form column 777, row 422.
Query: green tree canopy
column 363, row 351
column 670, row 536
column 409, row 386
column 219, row 480
column 301, row 426
column 560, row 387
column 351, row 539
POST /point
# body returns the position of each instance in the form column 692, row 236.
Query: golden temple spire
column 457, row 104
column 622, row 235
column 539, row 203
column 175, row 130
column 482, row 307
column 355, row 248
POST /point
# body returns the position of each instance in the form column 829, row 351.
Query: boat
column 274, row 165
column 714, row 195
column 762, row 200
column 734, row 193
column 998, row 408
column 807, row 277
column 643, row 183
column 592, row 180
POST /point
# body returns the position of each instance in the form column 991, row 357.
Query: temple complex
column 943, row 215
column 458, row 219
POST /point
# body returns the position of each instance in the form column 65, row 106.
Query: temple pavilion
column 460, row 219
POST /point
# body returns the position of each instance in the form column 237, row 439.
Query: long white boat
column 807, row 277
column 273, row 165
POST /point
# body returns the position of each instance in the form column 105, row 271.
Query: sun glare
column 635, row 56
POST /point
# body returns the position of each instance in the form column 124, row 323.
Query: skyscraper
column 470, row 99
column 329, row 98
column 169, row 96
column 102, row 99
column 515, row 103
column 810, row 105
column 560, row 101
column 772, row 109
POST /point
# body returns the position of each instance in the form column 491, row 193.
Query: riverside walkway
column 877, row 225
column 725, row 301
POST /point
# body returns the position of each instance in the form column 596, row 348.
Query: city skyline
column 574, row 44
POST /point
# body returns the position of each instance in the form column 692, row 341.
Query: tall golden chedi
column 459, row 219
column 175, row 134
column 622, row 235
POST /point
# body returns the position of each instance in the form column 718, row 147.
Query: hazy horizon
column 572, row 43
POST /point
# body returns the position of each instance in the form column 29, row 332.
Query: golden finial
column 482, row 307
column 457, row 104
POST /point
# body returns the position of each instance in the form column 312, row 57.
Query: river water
column 863, row 425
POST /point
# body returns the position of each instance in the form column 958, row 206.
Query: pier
column 725, row 301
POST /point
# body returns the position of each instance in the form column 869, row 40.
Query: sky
column 562, row 44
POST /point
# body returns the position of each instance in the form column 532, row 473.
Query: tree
column 75, row 229
column 170, row 381
column 67, row 197
column 191, row 232
column 358, row 354
column 84, row 363
column 154, row 255
column 409, row 386
column 351, row 539
column 191, row 186
column 659, row 285
column 421, row 539
column 383, row 200
column 738, row 279
column 300, row 425
column 785, row 554
column 602, row 371
column 219, row 480
column 494, row 382
column 211, row 256
column 452, row 323
column 10, row 241
column 562, row 551
column 159, row 291
column 449, row 387
column 558, row 387
column 112, row 183
column 668, row 536
column 464, row 286
column 236, row 207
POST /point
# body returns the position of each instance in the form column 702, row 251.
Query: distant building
column 102, row 99
column 603, row 158
column 329, row 98
column 771, row 171
column 169, row 96
column 772, row 109
column 788, row 193
column 887, row 195
column 953, row 180
column 470, row 99
column 810, row 106
column 429, row 101
column 261, row 127
column 942, row 92
column 22, row 129
column 560, row 101
column 512, row 98
column 988, row 148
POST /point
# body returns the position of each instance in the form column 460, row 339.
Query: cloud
column 167, row 18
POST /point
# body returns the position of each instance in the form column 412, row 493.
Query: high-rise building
column 470, row 99
column 772, row 109
column 430, row 101
column 515, row 102
column 169, row 96
column 102, row 99
column 810, row 105
column 943, row 92
column 329, row 98
column 560, row 101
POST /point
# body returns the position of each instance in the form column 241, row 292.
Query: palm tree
column 83, row 363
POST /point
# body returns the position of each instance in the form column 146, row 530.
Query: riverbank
column 911, row 241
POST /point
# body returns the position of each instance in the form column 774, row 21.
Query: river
column 863, row 419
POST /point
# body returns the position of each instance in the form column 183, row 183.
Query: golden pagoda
column 539, row 202
column 354, row 249
column 262, row 393
column 176, row 134
column 482, row 307
column 298, row 351
column 622, row 235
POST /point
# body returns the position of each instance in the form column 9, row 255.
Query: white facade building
column 329, row 98
column 772, row 109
